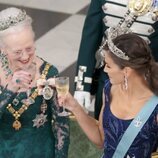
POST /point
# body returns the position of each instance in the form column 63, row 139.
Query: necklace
column 17, row 113
column 41, row 118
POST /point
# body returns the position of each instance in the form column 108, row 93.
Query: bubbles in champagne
column 62, row 90
column 62, row 85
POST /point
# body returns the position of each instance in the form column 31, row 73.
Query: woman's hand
column 68, row 102
column 20, row 81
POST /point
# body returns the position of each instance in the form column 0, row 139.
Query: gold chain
column 24, row 107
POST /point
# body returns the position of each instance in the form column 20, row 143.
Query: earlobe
column 127, row 71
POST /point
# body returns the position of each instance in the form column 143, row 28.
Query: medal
column 43, row 106
column 138, row 122
column 16, row 125
column 139, row 7
column 39, row 120
column 47, row 92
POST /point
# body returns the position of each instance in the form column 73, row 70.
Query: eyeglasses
column 20, row 53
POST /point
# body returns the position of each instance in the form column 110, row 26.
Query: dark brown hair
column 141, row 59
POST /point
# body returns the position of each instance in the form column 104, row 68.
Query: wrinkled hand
column 20, row 81
column 68, row 101
column 85, row 99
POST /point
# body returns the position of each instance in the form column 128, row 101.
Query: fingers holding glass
column 62, row 87
column 70, row 103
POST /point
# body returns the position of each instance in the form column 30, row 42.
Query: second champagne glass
column 62, row 87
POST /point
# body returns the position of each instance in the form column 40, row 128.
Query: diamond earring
column 125, row 82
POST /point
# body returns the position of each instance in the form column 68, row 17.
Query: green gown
column 50, row 140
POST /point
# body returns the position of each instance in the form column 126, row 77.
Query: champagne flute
column 62, row 87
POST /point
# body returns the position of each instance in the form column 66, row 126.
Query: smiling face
column 115, row 73
column 19, row 47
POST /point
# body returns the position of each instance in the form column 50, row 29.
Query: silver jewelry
column 39, row 120
column 112, row 33
column 123, row 27
column 43, row 107
column 15, row 102
column 12, row 20
column 47, row 92
column 138, row 122
column 29, row 101
column 125, row 83
column 100, row 56
column 136, row 8
column 5, row 64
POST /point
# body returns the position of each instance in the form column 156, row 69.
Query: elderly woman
column 29, row 123
column 128, row 124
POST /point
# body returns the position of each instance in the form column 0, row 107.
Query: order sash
column 134, row 127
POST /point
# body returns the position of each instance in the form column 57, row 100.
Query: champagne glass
column 62, row 87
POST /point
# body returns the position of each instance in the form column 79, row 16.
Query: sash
column 134, row 127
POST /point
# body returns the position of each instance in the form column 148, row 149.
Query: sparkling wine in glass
column 62, row 87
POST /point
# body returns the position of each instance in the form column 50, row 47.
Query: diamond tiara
column 12, row 20
column 111, row 34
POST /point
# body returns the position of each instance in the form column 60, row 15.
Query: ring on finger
column 17, row 81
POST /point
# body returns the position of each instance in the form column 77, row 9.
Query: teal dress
column 51, row 140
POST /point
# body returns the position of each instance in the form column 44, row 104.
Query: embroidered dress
column 50, row 140
column 144, row 143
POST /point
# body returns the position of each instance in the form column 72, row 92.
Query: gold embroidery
column 139, row 7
